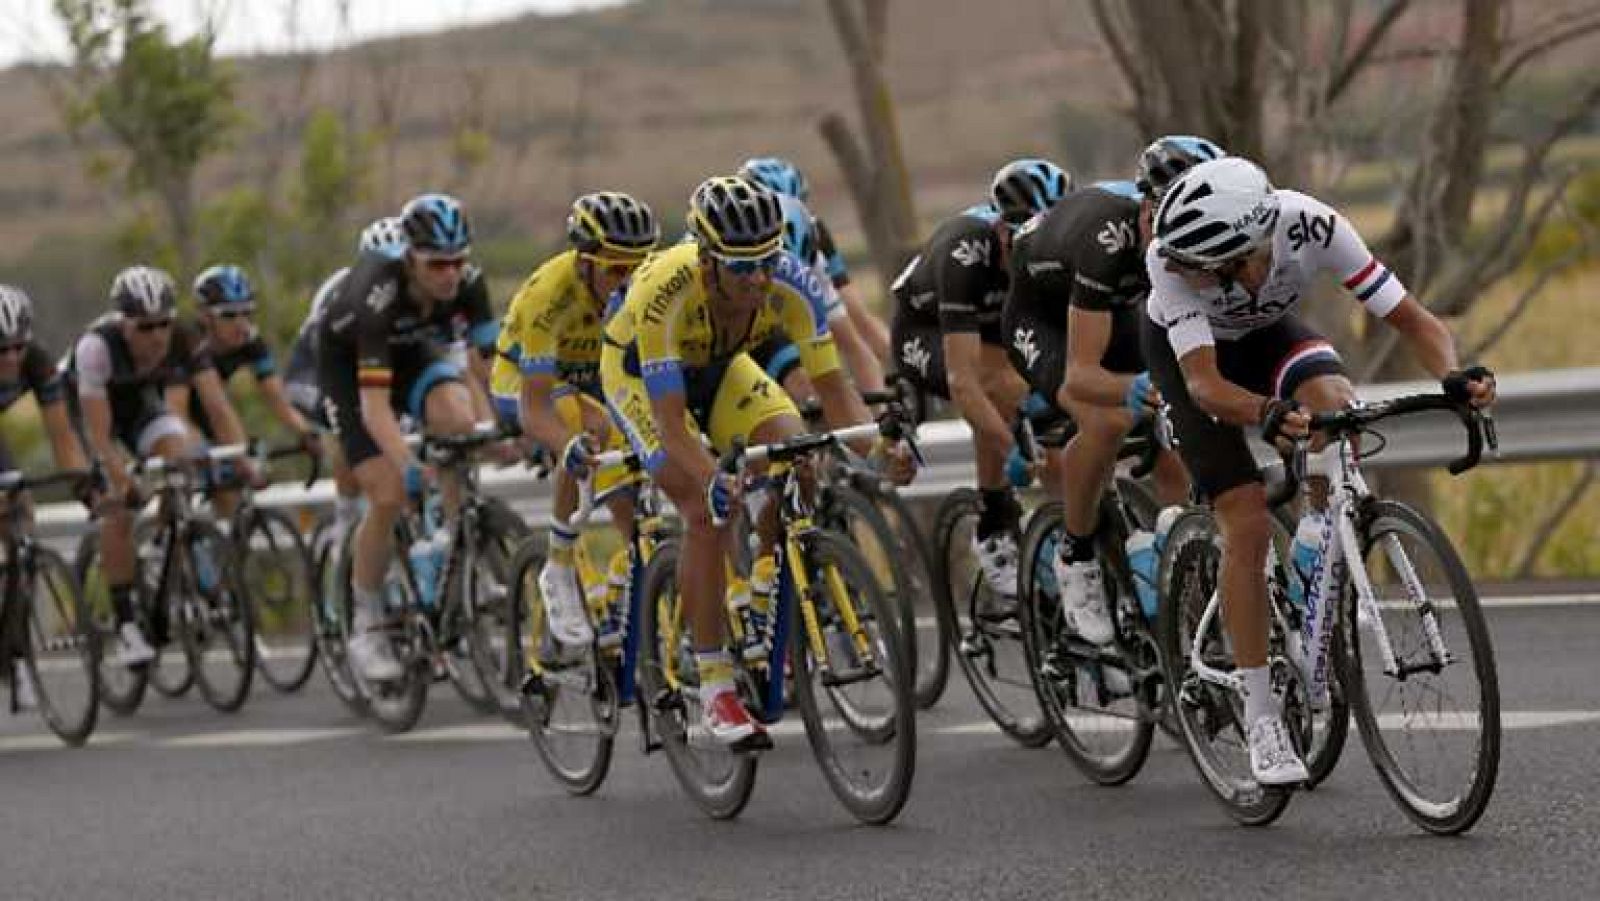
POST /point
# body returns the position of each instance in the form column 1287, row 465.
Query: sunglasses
column 236, row 312
column 745, row 268
column 15, row 347
column 1224, row 269
column 611, row 266
column 152, row 325
column 444, row 264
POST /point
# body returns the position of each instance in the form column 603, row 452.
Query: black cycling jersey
column 38, row 375
column 137, row 397
column 469, row 316
column 1084, row 252
column 193, row 351
column 959, row 280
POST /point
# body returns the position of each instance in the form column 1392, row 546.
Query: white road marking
column 38, row 741
column 256, row 738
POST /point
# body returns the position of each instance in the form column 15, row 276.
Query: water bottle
column 425, row 567
column 205, row 569
column 1142, row 560
column 1305, row 556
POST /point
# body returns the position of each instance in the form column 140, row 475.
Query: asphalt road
column 294, row 798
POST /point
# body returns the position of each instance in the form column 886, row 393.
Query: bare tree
column 876, row 172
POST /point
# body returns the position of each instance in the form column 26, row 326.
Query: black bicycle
column 47, row 636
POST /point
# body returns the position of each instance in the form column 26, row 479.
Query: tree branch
column 1553, row 520
column 1347, row 71
column 1538, row 47
column 1524, row 302
column 1124, row 60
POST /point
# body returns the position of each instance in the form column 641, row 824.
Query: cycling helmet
column 436, row 223
column 223, row 285
column 140, row 291
column 16, row 314
column 1169, row 157
column 777, row 174
column 1025, row 188
column 734, row 218
column 799, row 229
column 1217, row 211
column 386, row 236
column 612, row 222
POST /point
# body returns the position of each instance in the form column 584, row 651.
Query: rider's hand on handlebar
column 578, row 454
column 311, row 440
column 1142, row 398
column 895, row 460
column 722, row 496
column 1284, row 420
column 1474, row 385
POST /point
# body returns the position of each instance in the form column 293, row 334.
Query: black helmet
column 612, row 222
column 733, row 217
column 141, row 291
column 1025, row 188
column 1169, row 157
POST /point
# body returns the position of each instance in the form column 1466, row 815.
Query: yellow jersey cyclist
column 378, row 356
column 675, row 365
column 546, row 375
column 1231, row 262
column 26, row 368
column 861, row 337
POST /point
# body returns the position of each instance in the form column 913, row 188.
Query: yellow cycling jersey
column 665, row 326
column 551, row 328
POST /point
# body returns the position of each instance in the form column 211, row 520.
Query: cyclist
column 466, row 326
column 26, row 367
column 1072, row 326
column 118, row 373
column 230, row 342
column 948, row 342
column 863, row 341
column 378, row 356
column 546, row 376
column 674, row 366
column 1231, row 262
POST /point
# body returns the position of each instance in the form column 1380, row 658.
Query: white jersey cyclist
column 1310, row 238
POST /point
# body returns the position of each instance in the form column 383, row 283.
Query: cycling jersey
column 956, row 285
column 101, row 365
column 300, row 377
column 832, row 259
column 1310, row 238
column 252, row 352
column 469, row 316
column 1083, row 252
column 552, row 327
column 38, row 375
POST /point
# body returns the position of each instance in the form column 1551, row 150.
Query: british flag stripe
column 1368, row 280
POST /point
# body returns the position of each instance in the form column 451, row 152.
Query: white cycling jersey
column 1310, row 238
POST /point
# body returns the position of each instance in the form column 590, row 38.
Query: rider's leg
column 1087, row 464
column 447, row 409
column 1246, row 531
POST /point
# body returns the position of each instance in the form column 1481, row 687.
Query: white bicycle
column 1405, row 645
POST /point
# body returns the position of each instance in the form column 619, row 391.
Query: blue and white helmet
column 436, row 223
column 16, row 314
column 384, row 236
column 1024, row 188
column 1169, row 157
column 141, row 291
column 223, row 285
column 799, row 229
column 777, row 174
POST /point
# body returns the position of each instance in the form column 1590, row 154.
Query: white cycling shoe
column 997, row 558
column 132, row 647
column 564, row 606
column 1273, row 759
column 373, row 657
column 1083, row 597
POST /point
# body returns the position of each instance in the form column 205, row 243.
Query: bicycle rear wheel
column 849, row 512
column 1099, row 717
column 1430, row 718
column 331, row 617
column 63, row 649
column 930, row 647
column 279, row 576
column 570, row 707
column 717, row 779
column 989, row 650
column 1212, row 717
column 501, row 535
column 171, row 674
column 217, row 619
column 122, row 688
column 870, row 769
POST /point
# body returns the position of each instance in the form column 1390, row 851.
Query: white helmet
column 16, row 313
column 383, row 236
column 1217, row 211
column 140, row 291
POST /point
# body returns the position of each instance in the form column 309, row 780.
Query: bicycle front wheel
column 63, row 649
column 501, row 536
column 1429, row 714
column 122, row 687
column 216, row 618
column 570, row 707
column 868, row 753
column 278, row 575
column 930, row 646
column 716, row 778
column 331, row 617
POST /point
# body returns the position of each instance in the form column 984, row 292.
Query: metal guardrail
column 1550, row 415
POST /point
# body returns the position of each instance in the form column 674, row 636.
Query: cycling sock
column 1076, row 548
column 122, row 603
column 997, row 512
column 716, row 671
column 1258, row 698
column 346, row 512
column 368, row 607
column 561, row 541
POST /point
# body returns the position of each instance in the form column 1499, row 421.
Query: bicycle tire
column 720, row 795
column 1043, row 624
column 502, row 535
column 71, row 651
column 122, row 688
column 580, row 773
column 931, row 652
column 171, row 674
column 1448, row 819
column 285, row 666
column 880, row 804
column 396, row 706
column 1190, row 580
column 878, row 546
column 1029, row 729
column 332, row 617
column 224, row 609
